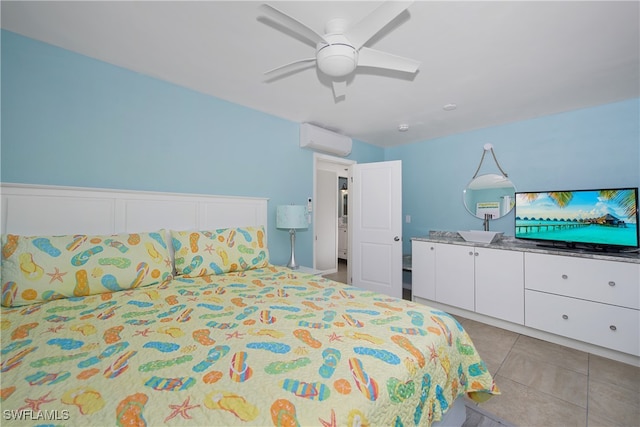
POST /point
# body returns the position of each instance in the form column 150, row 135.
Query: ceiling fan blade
column 339, row 88
column 361, row 32
column 291, row 66
column 292, row 24
column 375, row 58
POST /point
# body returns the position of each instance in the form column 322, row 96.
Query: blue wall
column 71, row 120
column 583, row 149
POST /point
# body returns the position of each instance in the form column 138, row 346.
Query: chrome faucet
column 485, row 223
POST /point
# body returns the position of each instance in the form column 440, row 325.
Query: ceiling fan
column 340, row 50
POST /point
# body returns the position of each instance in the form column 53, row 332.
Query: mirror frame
column 497, row 187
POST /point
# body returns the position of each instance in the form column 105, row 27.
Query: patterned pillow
column 43, row 268
column 200, row 253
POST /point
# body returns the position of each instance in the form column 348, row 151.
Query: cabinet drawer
column 603, row 281
column 608, row 326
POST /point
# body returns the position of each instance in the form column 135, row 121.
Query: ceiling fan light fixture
column 337, row 60
column 340, row 50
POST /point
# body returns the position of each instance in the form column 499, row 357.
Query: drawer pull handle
column 613, row 328
column 612, row 283
column 565, row 277
column 565, row 317
column 470, row 253
column 432, row 248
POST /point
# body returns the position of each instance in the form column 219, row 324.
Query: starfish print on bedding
column 234, row 335
column 181, row 410
column 209, row 248
column 433, row 353
column 56, row 275
column 54, row 329
column 145, row 332
column 331, row 423
column 34, row 404
column 335, row 337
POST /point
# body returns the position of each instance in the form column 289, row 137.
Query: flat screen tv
column 602, row 219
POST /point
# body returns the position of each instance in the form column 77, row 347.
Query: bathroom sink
column 479, row 236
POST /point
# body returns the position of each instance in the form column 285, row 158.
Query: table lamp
column 292, row 217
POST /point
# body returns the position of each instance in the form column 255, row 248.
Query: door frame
column 346, row 164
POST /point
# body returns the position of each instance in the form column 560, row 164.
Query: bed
column 191, row 324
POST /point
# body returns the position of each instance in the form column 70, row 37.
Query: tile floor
column 545, row 384
column 341, row 275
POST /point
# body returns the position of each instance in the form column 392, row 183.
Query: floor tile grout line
column 588, row 375
column 544, row 392
column 586, row 423
column 568, row 368
column 507, row 355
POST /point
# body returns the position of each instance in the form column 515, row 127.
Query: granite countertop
column 513, row 244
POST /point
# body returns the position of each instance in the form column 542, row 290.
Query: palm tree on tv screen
column 560, row 198
column 624, row 199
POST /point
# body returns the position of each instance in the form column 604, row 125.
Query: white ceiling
column 499, row 62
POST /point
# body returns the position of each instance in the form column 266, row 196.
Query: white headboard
column 31, row 210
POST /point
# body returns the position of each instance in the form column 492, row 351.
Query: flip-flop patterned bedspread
column 261, row 347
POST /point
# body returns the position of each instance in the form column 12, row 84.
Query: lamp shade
column 291, row 216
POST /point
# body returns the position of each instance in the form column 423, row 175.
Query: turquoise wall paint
column 70, row 120
column 583, row 149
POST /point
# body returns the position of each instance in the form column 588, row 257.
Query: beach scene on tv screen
column 606, row 217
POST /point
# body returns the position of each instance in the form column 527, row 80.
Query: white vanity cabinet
column 423, row 269
column 500, row 284
column 487, row 281
column 594, row 301
column 455, row 276
column 588, row 302
column 343, row 236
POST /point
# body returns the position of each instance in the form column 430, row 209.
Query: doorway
column 330, row 248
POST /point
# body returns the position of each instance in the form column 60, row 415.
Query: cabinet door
column 423, row 269
column 500, row 284
column 455, row 275
column 342, row 242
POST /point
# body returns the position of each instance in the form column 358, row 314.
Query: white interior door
column 326, row 227
column 376, row 240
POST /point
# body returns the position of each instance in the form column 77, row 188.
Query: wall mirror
column 490, row 194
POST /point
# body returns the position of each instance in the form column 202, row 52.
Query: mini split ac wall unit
column 317, row 138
